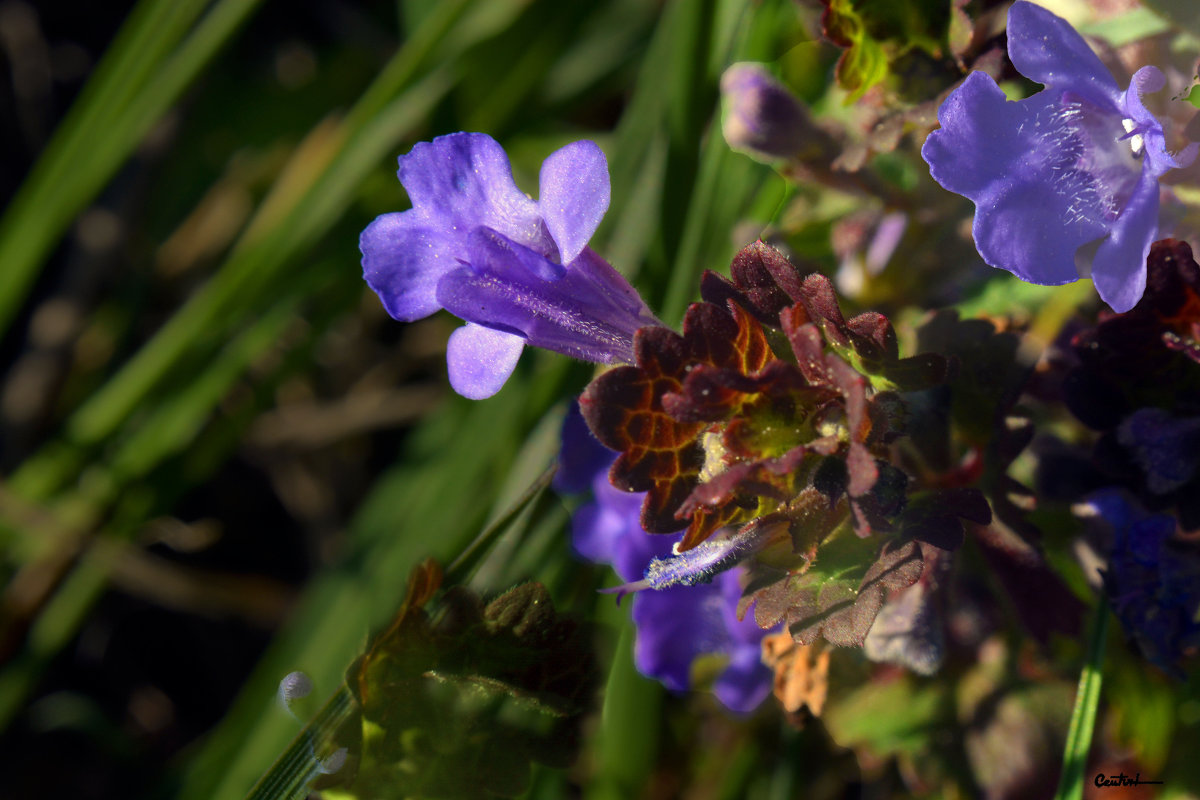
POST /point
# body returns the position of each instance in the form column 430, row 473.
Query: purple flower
column 1154, row 585
column 1075, row 164
column 762, row 117
column 1165, row 447
column 675, row 625
column 518, row 271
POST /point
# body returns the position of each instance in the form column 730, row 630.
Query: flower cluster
column 780, row 491
column 777, row 467
column 792, row 451
column 1072, row 168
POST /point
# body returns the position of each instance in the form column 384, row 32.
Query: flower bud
column 761, row 117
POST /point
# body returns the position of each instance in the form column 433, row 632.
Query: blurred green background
column 220, row 457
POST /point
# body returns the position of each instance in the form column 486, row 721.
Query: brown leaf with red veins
column 645, row 414
column 807, row 344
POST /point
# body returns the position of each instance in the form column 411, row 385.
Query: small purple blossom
column 1166, row 448
column 1076, row 164
column 1154, row 586
column 675, row 625
column 518, row 271
column 761, row 117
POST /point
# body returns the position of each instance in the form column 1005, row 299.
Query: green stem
column 1083, row 718
column 298, row 766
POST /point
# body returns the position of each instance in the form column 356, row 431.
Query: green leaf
column 889, row 718
column 864, row 63
column 458, row 700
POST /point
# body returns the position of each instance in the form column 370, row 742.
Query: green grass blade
column 241, row 281
column 290, row 776
column 371, row 130
column 1083, row 718
column 137, row 81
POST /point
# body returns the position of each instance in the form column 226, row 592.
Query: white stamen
column 1135, row 141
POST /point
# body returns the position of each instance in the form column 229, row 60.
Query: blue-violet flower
column 761, row 116
column 1154, row 587
column 518, row 271
column 1075, row 164
column 675, row 625
column 1165, row 447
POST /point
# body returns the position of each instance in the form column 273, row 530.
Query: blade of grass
column 352, row 149
column 1083, row 718
column 137, row 81
column 170, row 428
column 628, row 737
column 206, row 317
column 289, row 777
column 311, row 216
column 470, row 558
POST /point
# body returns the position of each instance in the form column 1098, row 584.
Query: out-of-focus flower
column 864, row 243
column 1165, row 447
column 675, row 625
column 518, row 271
column 1075, row 164
column 761, row 117
column 1134, row 378
column 908, row 631
column 1154, row 586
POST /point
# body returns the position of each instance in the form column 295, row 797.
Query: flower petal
column 510, row 287
column 607, row 530
column 746, row 681
column 1045, row 48
column 581, row 459
column 403, row 260
column 980, row 140
column 462, row 181
column 1119, row 268
column 573, row 195
column 1034, row 206
column 674, row 626
column 1029, row 230
column 481, row 359
column 1166, row 448
column 1148, row 80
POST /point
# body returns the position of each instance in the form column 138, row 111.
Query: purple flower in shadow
column 1166, row 448
column 675, row 625
column 1153, row 584
column 1075, row 165
column 518, row 271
